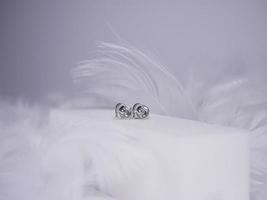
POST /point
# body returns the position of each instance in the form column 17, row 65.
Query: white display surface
column 157, row 158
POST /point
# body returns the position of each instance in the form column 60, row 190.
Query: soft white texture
column 62, row 155
column 90, row 154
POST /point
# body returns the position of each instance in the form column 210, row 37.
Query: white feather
column 126, row 74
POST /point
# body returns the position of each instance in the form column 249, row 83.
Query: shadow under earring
column 140, row 111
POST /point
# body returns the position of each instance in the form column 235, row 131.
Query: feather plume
column 126, row 74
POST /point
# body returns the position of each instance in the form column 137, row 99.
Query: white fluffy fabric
column 56, row 154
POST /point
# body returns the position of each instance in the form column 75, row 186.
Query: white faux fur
column 57, row 154
column 67, row 157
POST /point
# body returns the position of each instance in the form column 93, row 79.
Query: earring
column 122, row 111
column 140, row 111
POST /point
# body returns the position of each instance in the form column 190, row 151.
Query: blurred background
column 40, row 41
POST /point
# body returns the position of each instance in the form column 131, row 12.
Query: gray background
column 40, row 41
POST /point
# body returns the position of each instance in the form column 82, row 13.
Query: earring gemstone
column 140, row 111
column 122, row 111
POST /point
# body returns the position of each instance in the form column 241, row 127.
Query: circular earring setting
column 122, row 111
column 139, row 111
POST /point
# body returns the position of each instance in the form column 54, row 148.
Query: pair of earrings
column 138, row 111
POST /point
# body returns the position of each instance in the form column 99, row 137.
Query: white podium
column 160, row 158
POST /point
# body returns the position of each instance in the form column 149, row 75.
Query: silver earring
column 140, row 111
column 122, row 111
